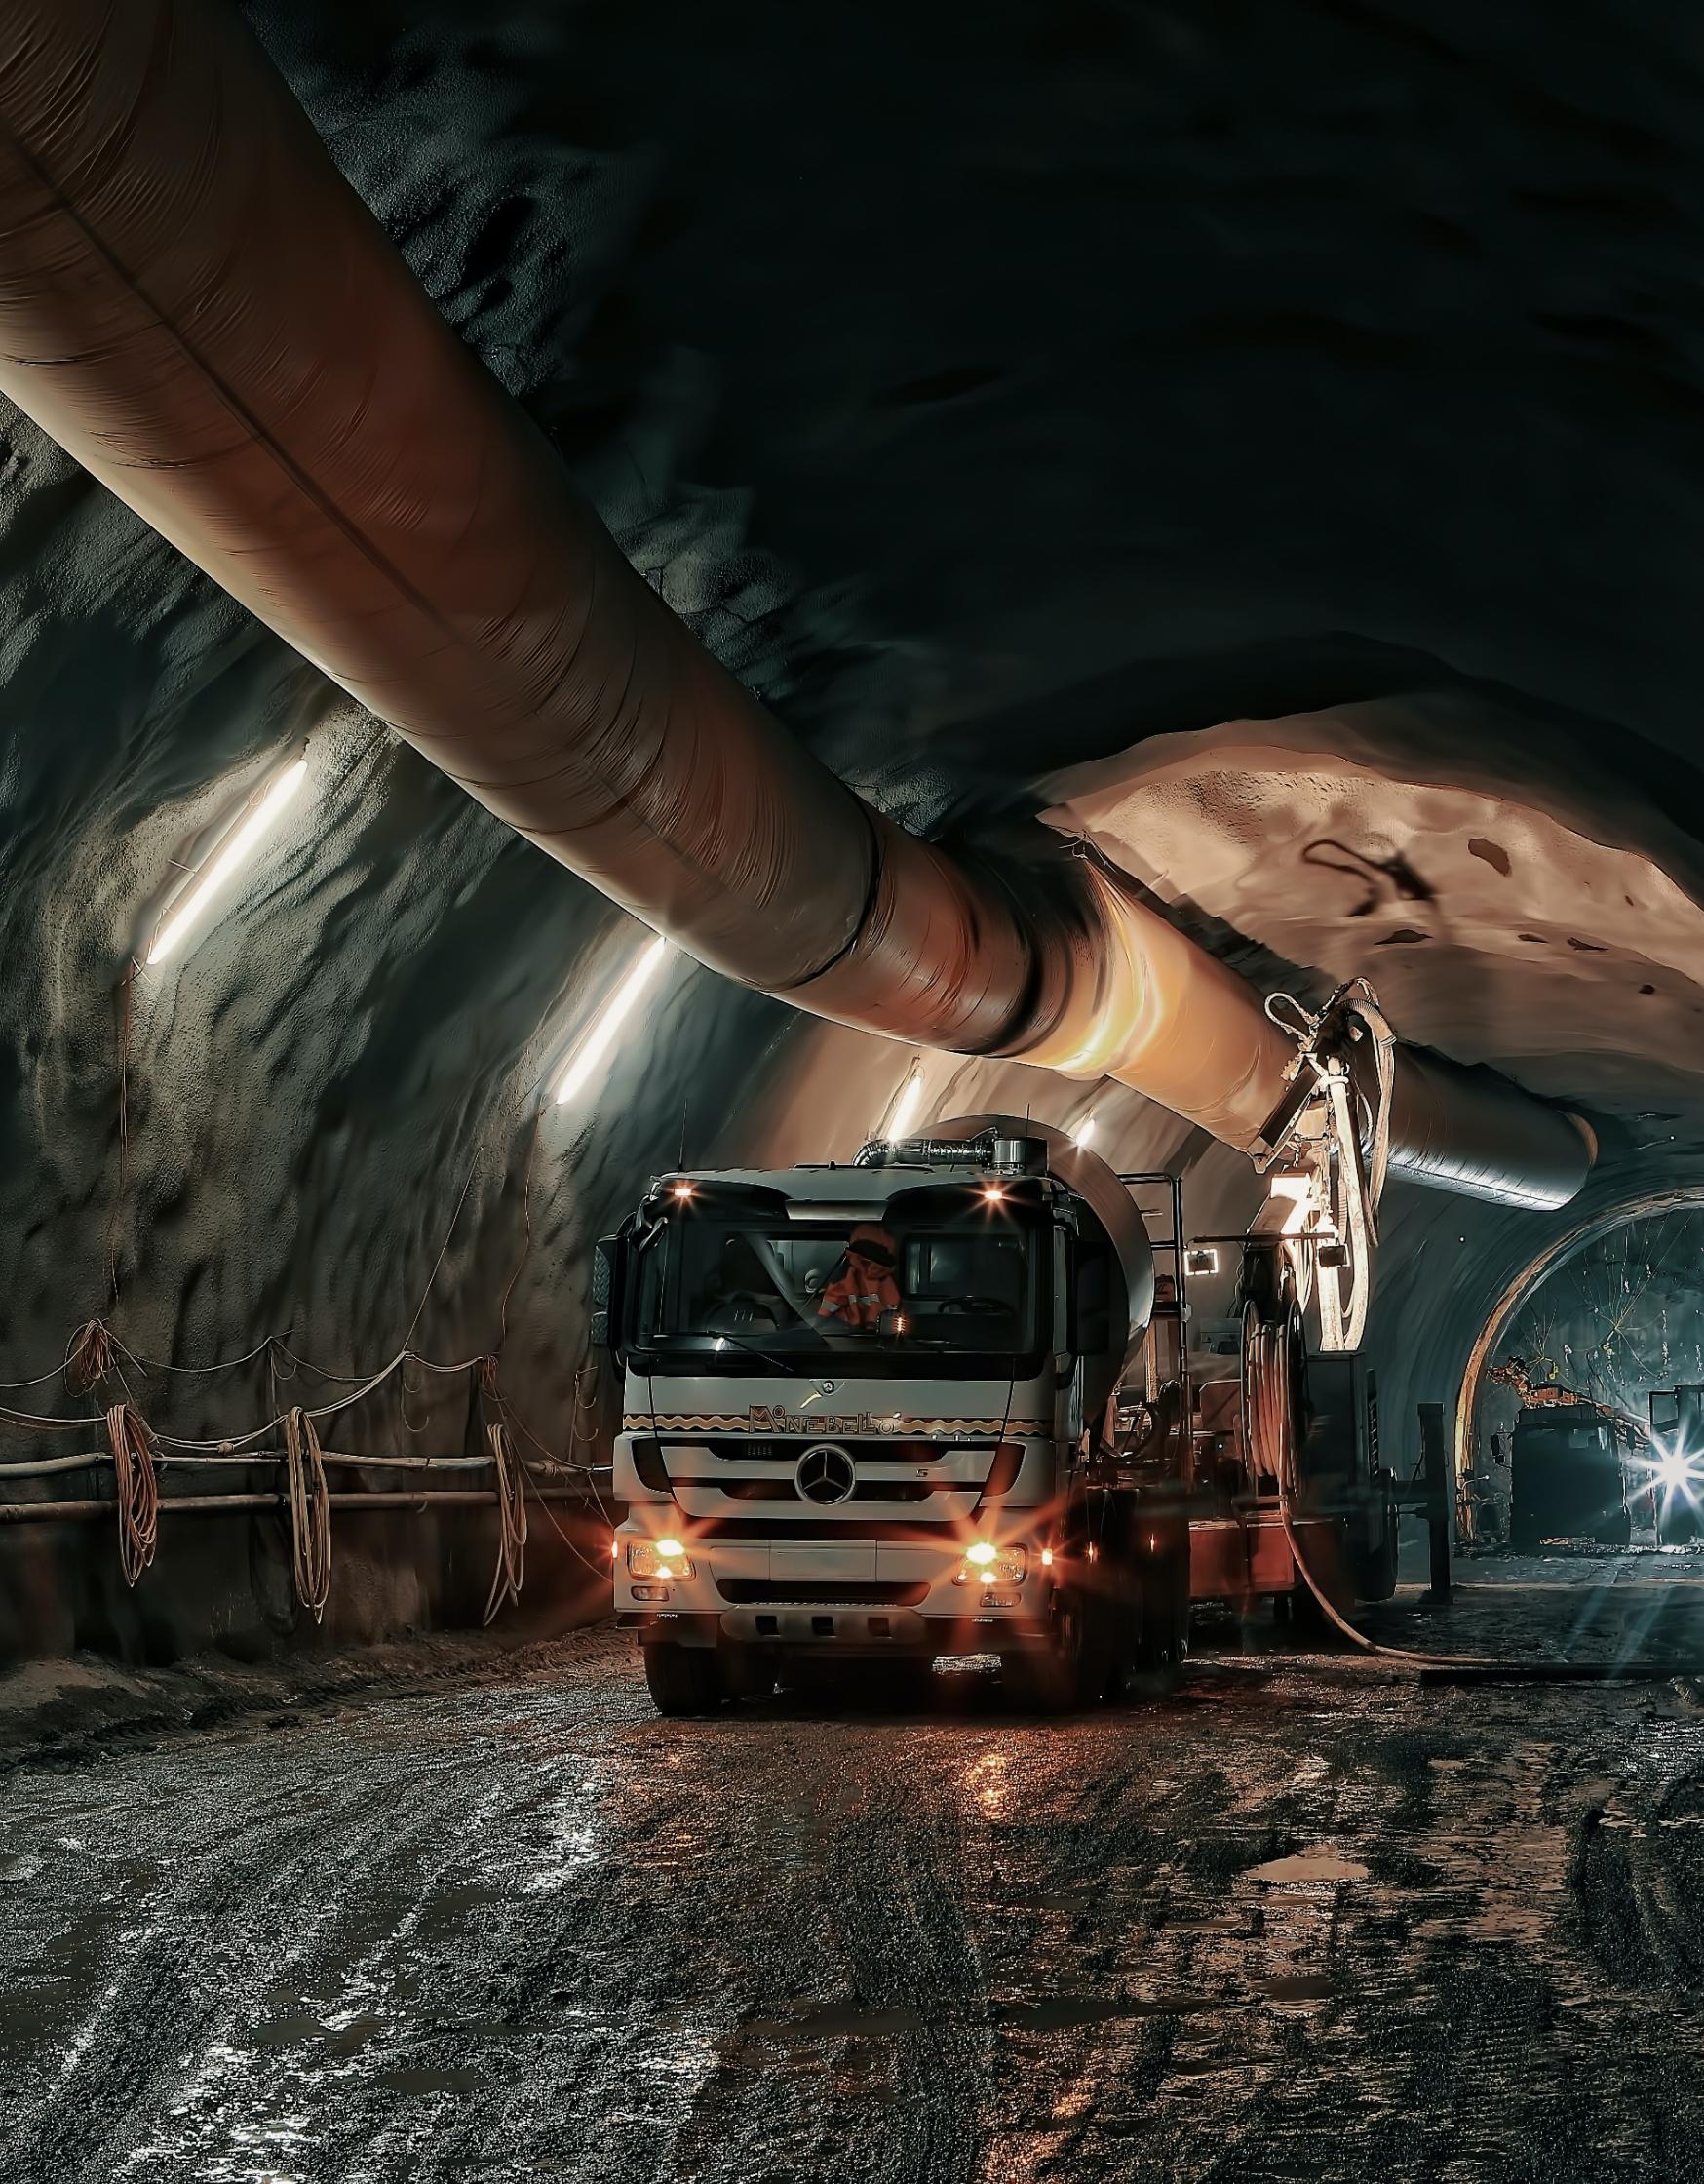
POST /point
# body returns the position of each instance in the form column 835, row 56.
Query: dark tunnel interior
column 1252, row 457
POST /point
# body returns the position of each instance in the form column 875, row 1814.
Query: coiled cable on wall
column 137, row 1487
column 92, row 1356
column 310, row 1511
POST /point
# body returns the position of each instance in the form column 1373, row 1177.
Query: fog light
column 650, row 1592
column 657, row 1559
column 999, row 1600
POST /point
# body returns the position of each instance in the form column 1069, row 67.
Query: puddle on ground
column 1061, row 2013
column 814, row 2024
column 1318, row 1864
column 443, row 1913
column 339, row 2035
column 55, row 1990
column 427, row 2081
column 833, row 2020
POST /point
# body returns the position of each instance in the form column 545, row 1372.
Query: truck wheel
column 1161, row 1621
column 1071, row 1671
column 1375, row 1569
column 683, row 1679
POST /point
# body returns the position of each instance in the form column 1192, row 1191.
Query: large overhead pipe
column 197, row 306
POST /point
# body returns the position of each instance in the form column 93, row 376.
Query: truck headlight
column 658, row 1558
column 985, row 1564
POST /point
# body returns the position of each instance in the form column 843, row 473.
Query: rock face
column 1268, row 445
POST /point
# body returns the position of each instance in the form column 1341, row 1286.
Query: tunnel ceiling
column 1268, row 443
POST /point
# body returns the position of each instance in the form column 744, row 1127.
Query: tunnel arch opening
column 1522, row 1286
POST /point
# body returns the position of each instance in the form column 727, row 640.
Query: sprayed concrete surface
column 454, row 1914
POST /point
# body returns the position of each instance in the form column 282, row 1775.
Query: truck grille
column 903, row 1489
column 834, row 1532
column 784, row 1489
column 774, row 1450
column 746, row 1592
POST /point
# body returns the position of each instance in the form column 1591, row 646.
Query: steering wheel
column 976, row 1305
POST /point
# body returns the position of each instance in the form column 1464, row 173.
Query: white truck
column 874, row 1410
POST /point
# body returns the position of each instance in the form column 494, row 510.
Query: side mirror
column 607, row 1256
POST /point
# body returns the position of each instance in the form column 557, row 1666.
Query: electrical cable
column 137, row 1489
column 1270, row 1410
column 526, row 1251
column 92, row 1356
column 310, row 1512
column 510, row 1574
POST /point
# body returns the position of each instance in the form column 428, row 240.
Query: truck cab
column 866, row 1413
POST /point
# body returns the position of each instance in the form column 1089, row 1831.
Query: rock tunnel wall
column 1107, row 375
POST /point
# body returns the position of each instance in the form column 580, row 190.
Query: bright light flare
column 619, row 1007
column 906, row 1106
column 658, row 1558
column 993, row 1193
column 226, row 860
column 1083, row 1135
column 1299, row 1191
column 985, row 1563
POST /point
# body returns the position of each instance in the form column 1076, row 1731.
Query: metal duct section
column 197, row 306
column 1460, row 1129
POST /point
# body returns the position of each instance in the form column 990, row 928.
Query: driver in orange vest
column 866, row 1288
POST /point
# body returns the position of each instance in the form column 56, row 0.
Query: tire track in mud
column 877, row 2021
column 248, row 1906
column 1292, row 1922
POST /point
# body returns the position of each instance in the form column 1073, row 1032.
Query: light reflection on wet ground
column 1299, row 1920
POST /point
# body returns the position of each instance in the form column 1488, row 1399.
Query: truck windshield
column 957, row 1293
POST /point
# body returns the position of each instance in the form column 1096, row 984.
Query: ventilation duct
column 197, row 306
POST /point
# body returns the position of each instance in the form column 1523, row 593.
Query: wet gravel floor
column 487, row 1917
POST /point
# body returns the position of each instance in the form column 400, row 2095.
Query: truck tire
column 1375, row 1570
column 683, row 1679
column 1071, row 1671
column 1160, row 1621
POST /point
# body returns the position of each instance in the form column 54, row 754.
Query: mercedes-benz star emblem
column 825, row 1473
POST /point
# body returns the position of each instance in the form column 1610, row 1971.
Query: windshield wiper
column 764, row 1357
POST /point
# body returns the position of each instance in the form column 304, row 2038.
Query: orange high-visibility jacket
column 867, row 1288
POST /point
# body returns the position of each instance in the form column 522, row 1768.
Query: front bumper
column 876, row 1596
